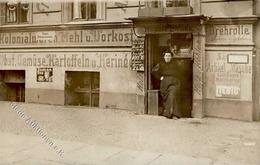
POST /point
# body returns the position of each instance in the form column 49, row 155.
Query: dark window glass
column 89, row 10
column 82, row 88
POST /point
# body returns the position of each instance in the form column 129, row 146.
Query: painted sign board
column 77, row 60
column 114, row 67
column 229, row 78
column 229, row 34
column 91, row 37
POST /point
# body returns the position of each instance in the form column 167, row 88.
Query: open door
column 182, row 45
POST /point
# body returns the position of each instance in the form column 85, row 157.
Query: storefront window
column 82, row 88
column 90, row 10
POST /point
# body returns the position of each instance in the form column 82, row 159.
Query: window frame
column 19, row 11
column 100, row 11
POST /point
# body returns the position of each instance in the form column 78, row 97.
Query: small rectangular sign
column 223, row 91
column 45, row 36
column 44, row 74
column 238, row 58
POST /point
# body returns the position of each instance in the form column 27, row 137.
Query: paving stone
column 37, row 162
column 170, row 159
column 130, row 157
column 91, row 154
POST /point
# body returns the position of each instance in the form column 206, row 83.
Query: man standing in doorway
column 168, row 73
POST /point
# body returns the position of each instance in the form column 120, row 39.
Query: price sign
column 137, row 57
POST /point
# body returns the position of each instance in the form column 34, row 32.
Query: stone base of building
column 44, row 96
column 125, row 101
column 197, row 109
column 240, row 110
column 107, row 99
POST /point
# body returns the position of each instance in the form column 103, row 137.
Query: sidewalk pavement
column 31, row 150
column 104, row 136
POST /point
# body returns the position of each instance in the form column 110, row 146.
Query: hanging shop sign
column 91, row 37
column 137, row 55
column 44, row 74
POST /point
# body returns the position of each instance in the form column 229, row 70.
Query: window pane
column 86, row 81
column 81, row 99
column 154, row 4
column 11, row 12
column 24, row 12
column 17, row 12
column 95, row 81
column 176, row 3
column 95, row 100
column 93, row 10
column 84, row 14
column 85, row 10
column 85, row 99
column 76, row 10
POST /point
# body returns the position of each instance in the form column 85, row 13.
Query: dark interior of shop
column 82, row 88
column 12, row 85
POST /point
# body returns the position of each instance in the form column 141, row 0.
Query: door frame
column 149, row 57
column 194, row 24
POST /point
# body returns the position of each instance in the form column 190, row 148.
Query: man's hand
column 161, row 78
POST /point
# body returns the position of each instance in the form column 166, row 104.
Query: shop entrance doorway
column 12, row 85
column 180, row 45
column 82, row 88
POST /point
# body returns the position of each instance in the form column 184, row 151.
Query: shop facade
column 189, row 37
column 231, row 61
column 230, row 67
column 222, row 55
column 58, row 55
column 85, row 66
